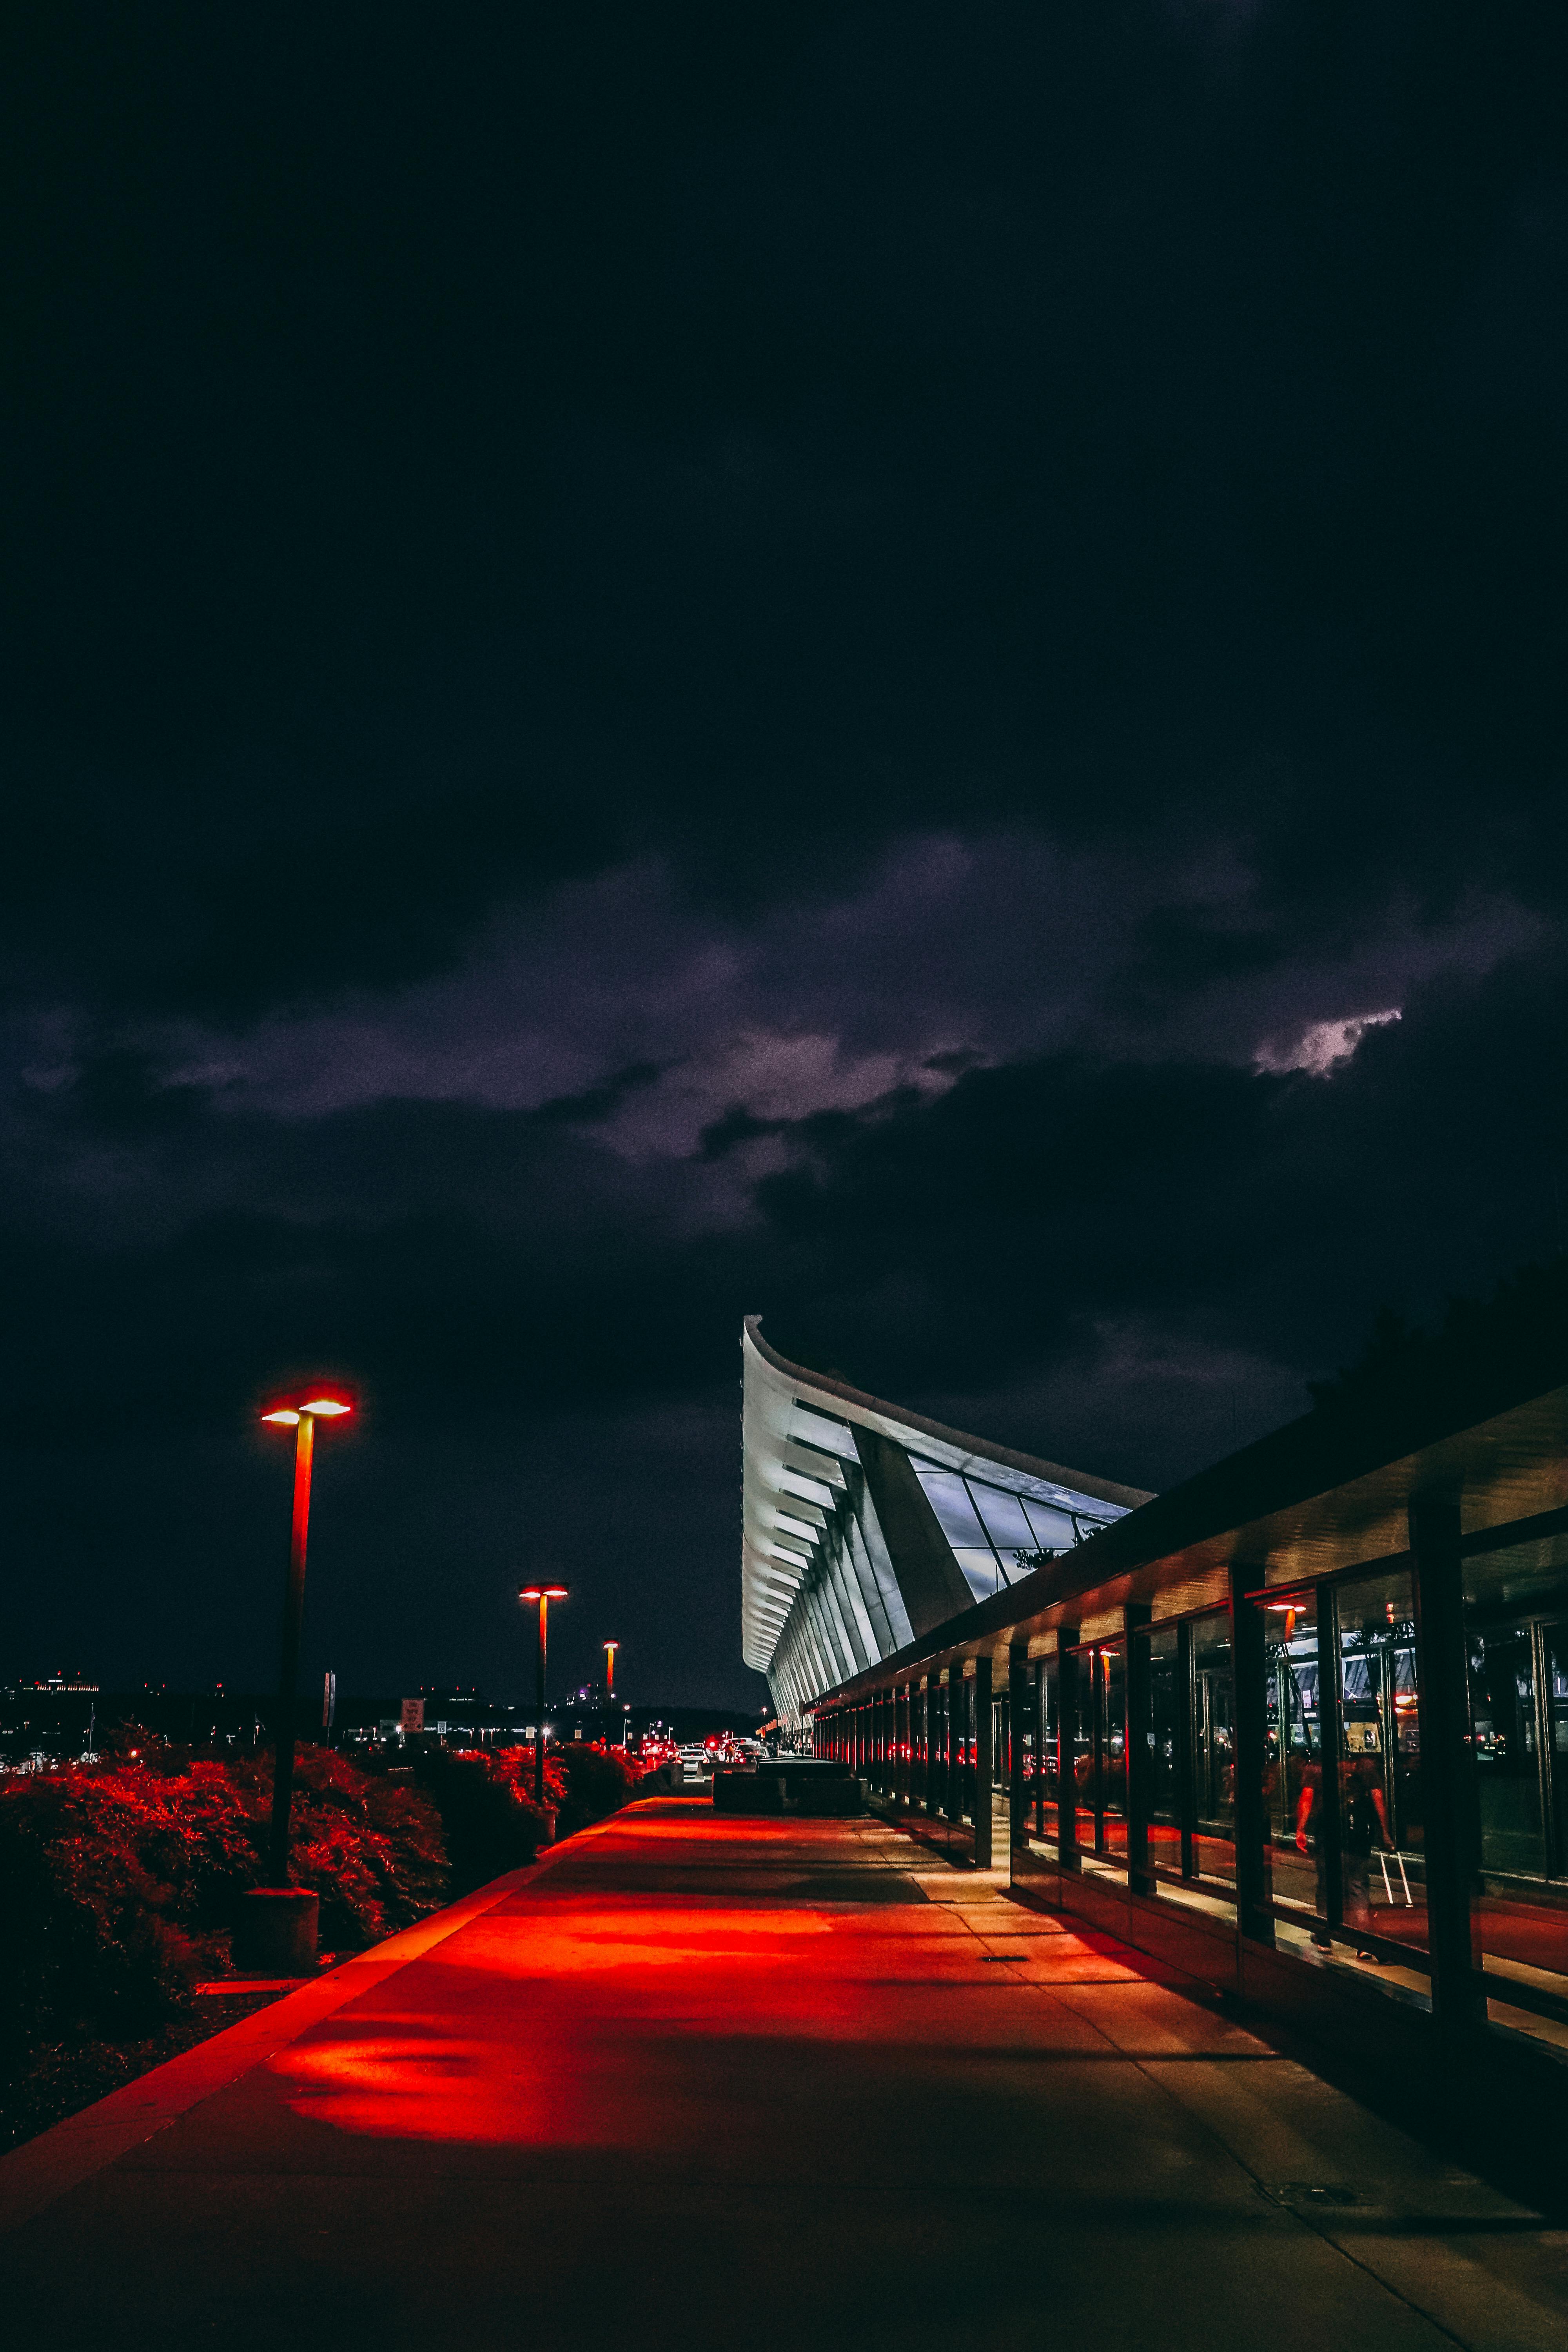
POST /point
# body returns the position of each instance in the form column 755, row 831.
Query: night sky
column 897, row 667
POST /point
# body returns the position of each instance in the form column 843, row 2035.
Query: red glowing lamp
column 300, row 1413
column 544, row 1594
column 318, row 1408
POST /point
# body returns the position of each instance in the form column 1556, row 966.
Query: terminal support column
column 983, row 1762
column 1135, row 1747
column 1018, row 1729
column 1250, row 1708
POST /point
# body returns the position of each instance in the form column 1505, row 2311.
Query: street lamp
column 302, row 1419
column 610, row 1648
column 544, row 1594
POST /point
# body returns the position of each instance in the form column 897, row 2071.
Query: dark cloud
column 834, row 658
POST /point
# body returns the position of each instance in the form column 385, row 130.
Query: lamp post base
column 275, row 1935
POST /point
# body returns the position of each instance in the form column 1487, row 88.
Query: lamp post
column 302, row 1419
column 542, row 1594
column 610, row 1648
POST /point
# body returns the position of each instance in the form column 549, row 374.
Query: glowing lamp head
column 290, row 1415
column 542, row 1592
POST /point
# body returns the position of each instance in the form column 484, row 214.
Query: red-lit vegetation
column 485, row 1797
column 119, row 1883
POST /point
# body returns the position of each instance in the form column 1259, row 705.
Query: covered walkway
column 696, row 2080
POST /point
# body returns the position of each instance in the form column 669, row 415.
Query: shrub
column 371, row 1850
column 118, row 1887
column 598, row 1782
column 485, row 1798
column 93, row 1868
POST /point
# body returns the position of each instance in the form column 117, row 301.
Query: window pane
column 1085, row 1790
column 1110, row 1681
column 949, row 1498
column 1164, row 1728
column 1383, row 1833
column 1516, row 1620
column 980, row 1573
column 1213, row 1749
column 1508, row 1767
column 1292, row 1762
column 1050, row 1725
column 1051, row 1530
column 1005, row 1524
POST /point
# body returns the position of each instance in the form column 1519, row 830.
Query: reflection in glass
column 1516, row 1617
column 1050, row 1733
column 995, row 1534
column 1382, row 1827
column 1111, row 1684
column 1099, row 1757
column 1508, row 1764
column 1166, row 1702
column 1005, row 1524
column 1294, row 1844
column 1050, row 1528
column 1212, row 1750
column 959, row 1522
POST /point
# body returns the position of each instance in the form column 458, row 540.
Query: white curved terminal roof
column 798, row 1448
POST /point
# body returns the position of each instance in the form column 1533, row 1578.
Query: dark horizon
column 896, row 669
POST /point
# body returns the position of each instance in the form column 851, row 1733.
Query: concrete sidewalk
column 697, row 2081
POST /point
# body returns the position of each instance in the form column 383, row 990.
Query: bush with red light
column 119, row 1886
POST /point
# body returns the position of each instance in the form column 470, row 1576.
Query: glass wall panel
column 1047, row 1754
column 949, row 1498
column 1212, row 1750
column 1051, row 1528
column 1508, row 1763
column 1085, row 1774
column 1294, row 1846
column 1167, row 1703
column 1515, row 1618
column 1005, row 1524
column 1111, row 1684
column 1383, row 1834
column 980, row 1573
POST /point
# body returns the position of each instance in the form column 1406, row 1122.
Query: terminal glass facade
column 1516, row 1627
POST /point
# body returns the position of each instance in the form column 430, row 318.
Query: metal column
column 1250, row 1713
column 1447, row 1769
column 1136, row 1752
column 982, row 1763
column 1018, row 1726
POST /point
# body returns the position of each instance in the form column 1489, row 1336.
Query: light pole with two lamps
column 542, row 1594
column 277, row 1928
